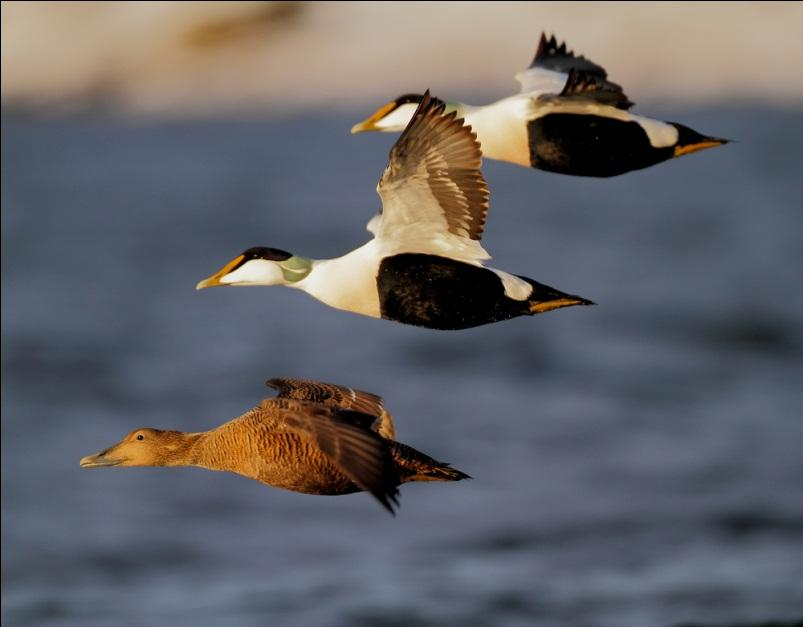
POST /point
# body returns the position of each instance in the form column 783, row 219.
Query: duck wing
column 434, row 197
column 352, row 447
column 327, row 394
column 551, row 74
column 582, row 85
column 555, row 56
column 332, row 395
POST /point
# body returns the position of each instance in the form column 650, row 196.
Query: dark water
column 638, row 463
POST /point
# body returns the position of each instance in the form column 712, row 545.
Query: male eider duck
column 315, row 438
column 568, row 119
column 424, row 265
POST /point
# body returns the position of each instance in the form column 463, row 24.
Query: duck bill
column 364, row 126
column 707, row 142
column 369, row 124
column 99, row 460
column 214, row 280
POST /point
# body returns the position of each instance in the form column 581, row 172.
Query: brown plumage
column 315, row 438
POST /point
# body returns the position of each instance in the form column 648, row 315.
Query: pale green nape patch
column 295, row 268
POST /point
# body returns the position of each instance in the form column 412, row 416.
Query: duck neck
column 182, row 450
column 229, row 448
column 501, row 129
column 347, row 282
column 296, row 268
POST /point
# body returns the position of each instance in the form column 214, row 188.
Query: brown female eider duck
column 315, row 438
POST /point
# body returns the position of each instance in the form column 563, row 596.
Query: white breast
column 348, row 282
column 501, row 129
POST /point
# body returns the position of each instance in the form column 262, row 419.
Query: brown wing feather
column 327, row 394
column 438, row 151
column 333, row 395
column 360, row 454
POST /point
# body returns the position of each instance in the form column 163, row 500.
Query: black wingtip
column 554, row 55
column 389, row 500
column 428, row 103
column 549, row 47
column 539, row 51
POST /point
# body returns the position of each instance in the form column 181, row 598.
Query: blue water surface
column 637, row 463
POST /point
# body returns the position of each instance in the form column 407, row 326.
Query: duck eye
column 140, row 437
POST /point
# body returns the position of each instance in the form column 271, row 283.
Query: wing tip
column 549, row 47
column 429, row 103
column 434, row 108
column 389, row 499
column 275, row 383
column 554, row 55
column 539, row 51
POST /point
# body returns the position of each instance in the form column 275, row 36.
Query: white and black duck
column 425, row 264
column 568, row 118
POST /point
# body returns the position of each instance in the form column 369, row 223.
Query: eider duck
column 568, row 119
column 313, row 437
column 424, row 265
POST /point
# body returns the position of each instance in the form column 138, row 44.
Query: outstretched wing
column 338, row 396
column 551, row 66
column 434, row 197
column 357, row 452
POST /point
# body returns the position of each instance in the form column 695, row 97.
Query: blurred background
column 636, row 463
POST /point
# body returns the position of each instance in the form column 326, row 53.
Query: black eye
column 140, row 437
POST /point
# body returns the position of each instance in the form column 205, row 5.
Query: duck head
column 141, row 447
column 260, row 266
column 392, row 116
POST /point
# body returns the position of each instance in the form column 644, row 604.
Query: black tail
column 690, row 141
column 545, row 298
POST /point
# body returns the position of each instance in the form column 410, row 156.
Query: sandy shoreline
column 274, row 57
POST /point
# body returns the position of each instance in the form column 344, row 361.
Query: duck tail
column 545, row 298
column 413, row 465
column 690, row 141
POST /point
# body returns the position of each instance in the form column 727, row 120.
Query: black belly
column 590, row 145
column 441, row 293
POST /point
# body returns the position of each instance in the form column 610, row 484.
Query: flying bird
column 425, row 265
column 313, row 437
column 568, row 118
